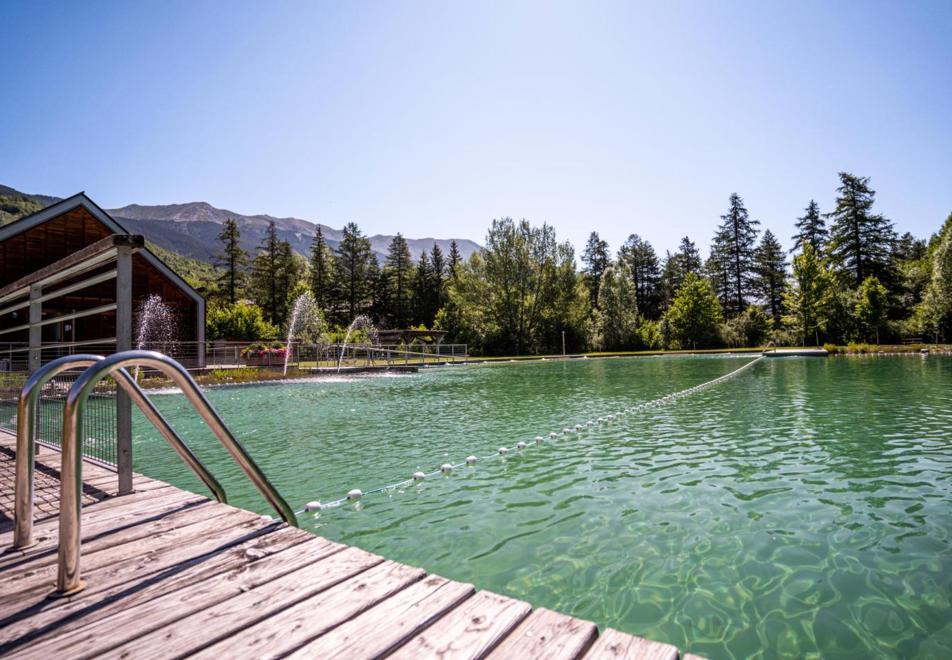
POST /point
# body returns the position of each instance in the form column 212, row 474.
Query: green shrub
column 242, row 321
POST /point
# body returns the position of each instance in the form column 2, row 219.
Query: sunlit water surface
column 801, row 509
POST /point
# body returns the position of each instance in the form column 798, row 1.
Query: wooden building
column 71, row 280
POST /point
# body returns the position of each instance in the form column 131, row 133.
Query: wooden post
column 124, row 343
column 36, row 330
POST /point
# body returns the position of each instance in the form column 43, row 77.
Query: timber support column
column 124, row 343
column 36, row 330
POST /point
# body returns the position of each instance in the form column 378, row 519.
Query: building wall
column 28, row 251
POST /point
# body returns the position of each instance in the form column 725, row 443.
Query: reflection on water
column 804, row 508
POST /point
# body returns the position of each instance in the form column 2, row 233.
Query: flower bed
column 264, row 355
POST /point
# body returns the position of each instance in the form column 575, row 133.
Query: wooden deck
column 173, row 574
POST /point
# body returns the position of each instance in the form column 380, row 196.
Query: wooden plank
column 613, row 644
column 287, row 630
column 389, row 624
column 548, row 634
column 182, row 621
column 34, row 583
column 469, row 631
column 105, row 517
column 238, row 567
column 116, row 524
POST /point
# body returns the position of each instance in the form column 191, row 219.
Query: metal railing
column 68, row 575
column 14, row 357
column 26, row 447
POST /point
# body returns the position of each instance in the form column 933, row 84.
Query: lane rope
column 448, row 468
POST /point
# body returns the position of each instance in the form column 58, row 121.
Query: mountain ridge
column 191, row 229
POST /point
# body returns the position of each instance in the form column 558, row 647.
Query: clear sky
column 432, row 118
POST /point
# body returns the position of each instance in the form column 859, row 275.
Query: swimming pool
column 802, row 508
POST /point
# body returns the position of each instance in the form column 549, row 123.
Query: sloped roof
column 81, row 200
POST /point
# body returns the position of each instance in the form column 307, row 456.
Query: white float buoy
column 418, row 476
column 312, row 506
column 566, row 430
column 538, row 439
column 503, row 450
column 578, row 427
column 520, row 445
column 446, row 468
column 267, row 518
column 355, row 494
column 553, row 434
column 470, row 460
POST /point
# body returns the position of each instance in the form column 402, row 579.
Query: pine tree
column 398, row 272
column 770, row 268
column 352, row 262
column 322, row 270
column 596, row 260
column 265, row 273
column 423, row 292
column 233, row 260
column 811, row 229
column 288, row 274
column 455, row 260
column 377, row 285
column 642, row 264
column 860, row 240
column 735, row 244
column 438, row 283
column 688, row 258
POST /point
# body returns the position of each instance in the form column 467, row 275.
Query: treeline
column 254, row 296
column 847, row 278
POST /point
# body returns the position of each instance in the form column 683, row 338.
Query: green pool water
column 801, row 509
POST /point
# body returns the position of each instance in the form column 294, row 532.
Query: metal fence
column 231, row 354
column 99, row 419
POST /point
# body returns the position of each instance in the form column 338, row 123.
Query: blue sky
column 434, row 118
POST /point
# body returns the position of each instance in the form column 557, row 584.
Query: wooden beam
column 124, row 343
column 88, row 257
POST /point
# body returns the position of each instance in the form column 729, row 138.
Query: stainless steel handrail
column 26, row 417
column 68, row 576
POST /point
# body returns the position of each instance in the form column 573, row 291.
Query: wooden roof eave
column 91, row 256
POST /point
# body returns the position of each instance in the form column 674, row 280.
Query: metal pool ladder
column 97, row 368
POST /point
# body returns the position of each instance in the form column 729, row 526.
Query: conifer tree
column 352, row 262
column 688, row 258
column 265, row 273
column 423, row 291
column 290, row 268
column 322, row 270
column 454, row 261
column 438, row 283
column 398, row 273
column 860, row 241
column 642, row 264
column 596, row 260
column 735, row 244
column 233, row 260
column 770, row 268
column 377, row 286
column 811, row 229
